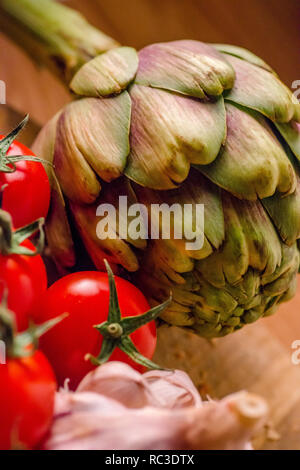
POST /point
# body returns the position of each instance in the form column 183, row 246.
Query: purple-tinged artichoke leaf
column 76, row 178
column 188, row 67
column 252, row 163
column 168, row 133
column 260, row 90
column 291, row 133
column 244, row 54
column 109, row 73
column 93, row 136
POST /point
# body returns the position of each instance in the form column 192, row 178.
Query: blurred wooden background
column 258, row 357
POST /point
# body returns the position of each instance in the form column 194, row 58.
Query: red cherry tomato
column 27, row 394
column 25, row 279
column 27, row 194
column 85, row 297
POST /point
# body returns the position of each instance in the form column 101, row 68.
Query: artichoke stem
column 55, row 35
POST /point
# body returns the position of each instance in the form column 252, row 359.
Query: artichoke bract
column 188, row 123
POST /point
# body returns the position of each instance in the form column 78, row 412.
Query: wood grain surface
column 259, row 357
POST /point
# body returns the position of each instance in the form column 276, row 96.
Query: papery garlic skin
column 118, row 408
column 174, row 389
column 163, row 389
column 119, row 381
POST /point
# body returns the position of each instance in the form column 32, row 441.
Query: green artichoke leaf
column 107, row 74
column 169, row 132
column 252, row 163
column 244, row 54
column 278, row 282
column 195, row 190
column 158, row 262
column 167, row 261
column 92, row 136
column 189, row 67
column 262, row 91
column 231, row 262
column 264, row 245
column 245, row 292
column 176, row 313
column 291, row 133
column 288, row 295
column 250, row 284
column 217, row 299
column 284, row 211
column 247, row 227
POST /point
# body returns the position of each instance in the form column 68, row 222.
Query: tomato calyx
column 11, row 240
column 23, row 344
column 116, row 329
column 8, row 162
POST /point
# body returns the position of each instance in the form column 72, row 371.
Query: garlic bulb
column 163, row 389
column 118, row 408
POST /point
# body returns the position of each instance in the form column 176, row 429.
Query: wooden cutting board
column 253, row 359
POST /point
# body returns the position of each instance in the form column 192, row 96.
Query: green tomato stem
column 21, row 344
column 11, row 241
column 116, row 329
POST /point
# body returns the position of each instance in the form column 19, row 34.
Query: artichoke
column 182, row 122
